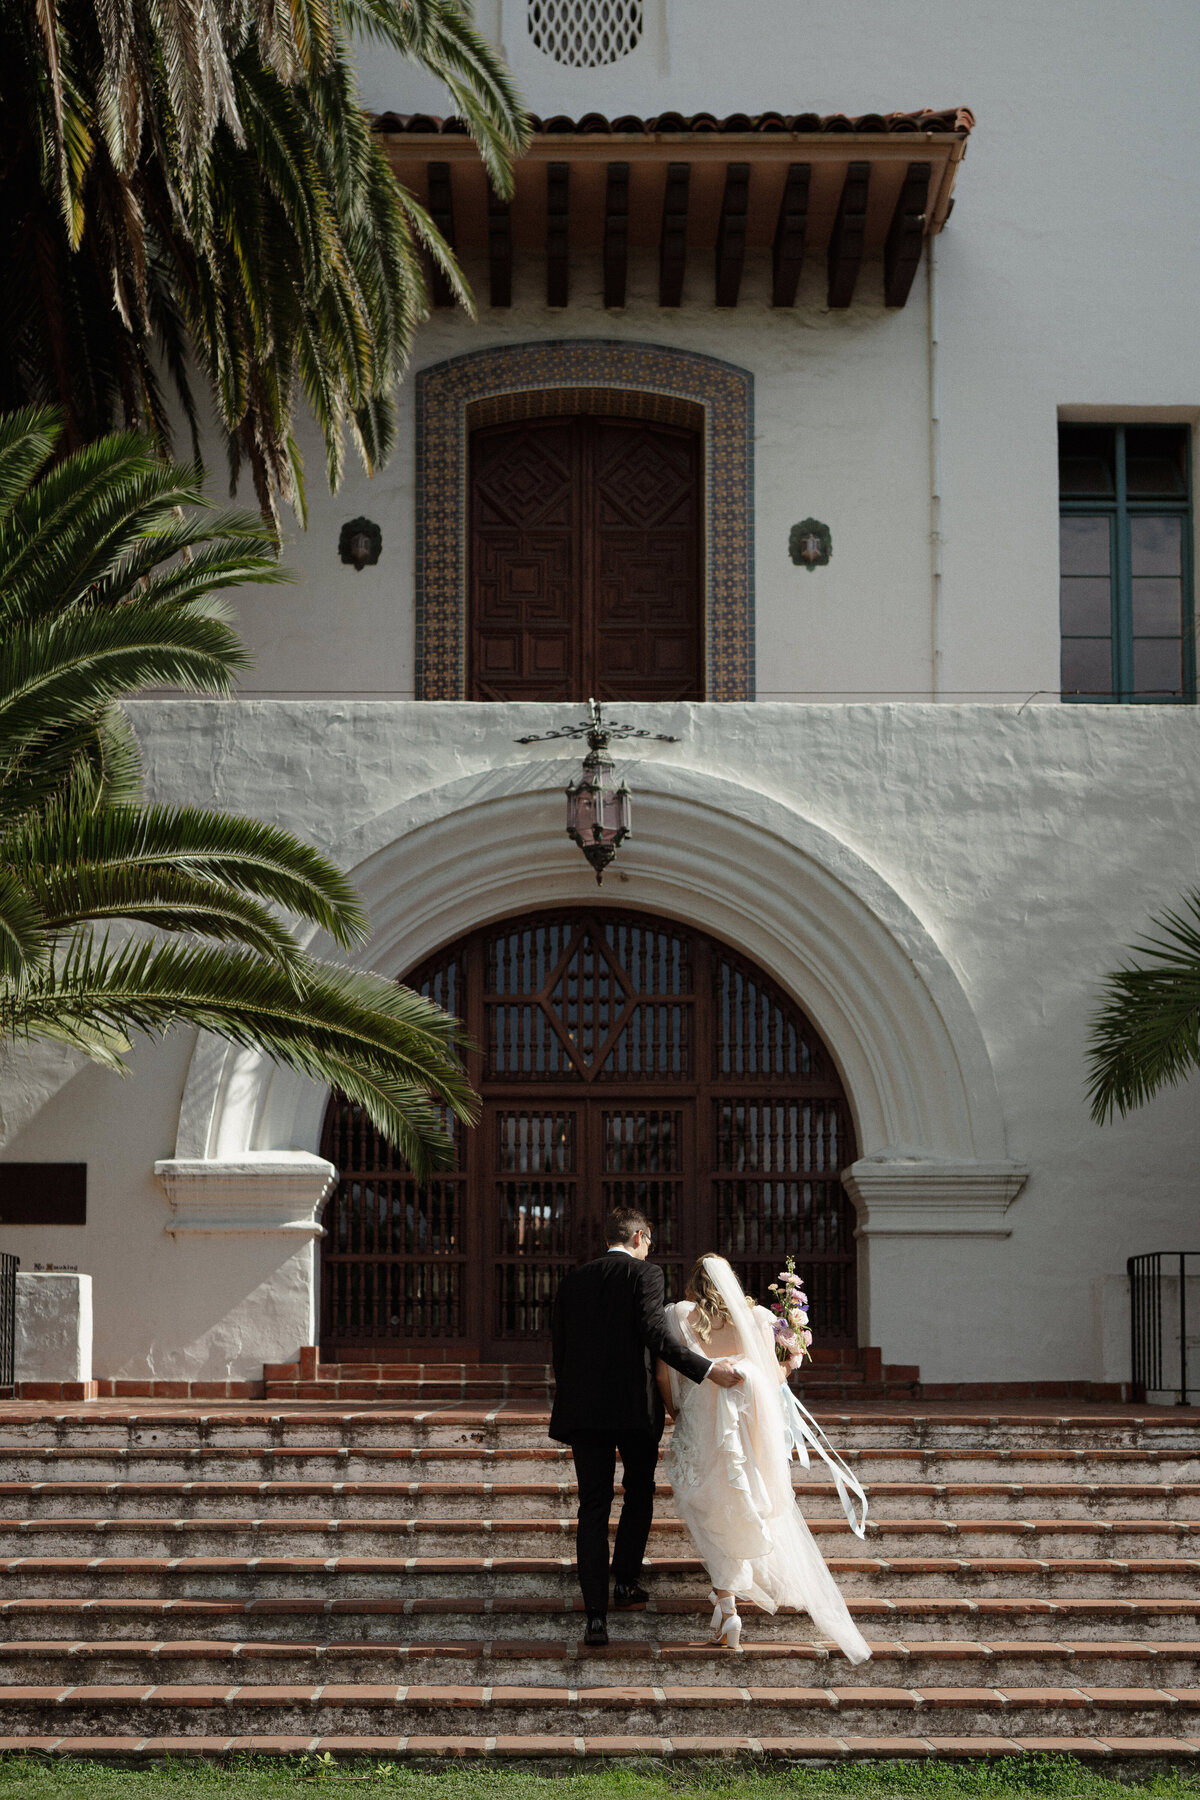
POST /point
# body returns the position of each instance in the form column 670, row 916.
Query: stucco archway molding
column 735, row 861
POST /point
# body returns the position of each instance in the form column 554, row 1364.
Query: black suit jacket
column 609, row 1327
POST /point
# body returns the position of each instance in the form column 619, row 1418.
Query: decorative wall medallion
column 360, row 543
column 810, row 544
column 593, row 375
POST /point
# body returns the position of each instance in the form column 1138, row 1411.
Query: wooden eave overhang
column 805, row 187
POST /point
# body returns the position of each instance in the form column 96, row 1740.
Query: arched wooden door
column 624, row 1059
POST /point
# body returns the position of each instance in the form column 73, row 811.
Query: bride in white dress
column 729, row 1463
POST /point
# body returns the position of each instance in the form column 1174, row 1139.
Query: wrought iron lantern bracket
column 598, row 812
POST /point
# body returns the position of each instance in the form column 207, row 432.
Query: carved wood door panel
column 623, row 1060
column 585, row 568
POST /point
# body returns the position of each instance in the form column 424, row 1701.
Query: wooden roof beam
column 791, row 231
column 616, row 234
column 500, row 250
column 849, row 228
column 441, row 211
column 906, row 235
column 731, row 234
column 558, row 260
column 672, row 249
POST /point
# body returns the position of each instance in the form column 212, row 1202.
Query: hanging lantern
column 598, row 812
column 598, row 808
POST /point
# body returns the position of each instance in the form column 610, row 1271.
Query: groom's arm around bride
column 609, row 1329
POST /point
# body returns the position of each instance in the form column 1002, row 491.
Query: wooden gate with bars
column 624, row 1060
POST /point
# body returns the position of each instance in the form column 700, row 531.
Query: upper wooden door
column 585, row 565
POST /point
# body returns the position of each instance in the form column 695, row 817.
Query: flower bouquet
column 793, row 1339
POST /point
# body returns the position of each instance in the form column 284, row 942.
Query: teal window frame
column 1119, row 509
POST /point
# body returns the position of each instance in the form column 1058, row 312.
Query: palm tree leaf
column 57, row 674
column 23, row 936
column 27, row 439
column 1145, row 1033
column 327, row 1024
column 253, row 858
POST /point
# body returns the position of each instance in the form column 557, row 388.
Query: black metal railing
column 8, row 1320
column 1158, row 1321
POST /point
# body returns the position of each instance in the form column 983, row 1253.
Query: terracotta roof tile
column 953, row 120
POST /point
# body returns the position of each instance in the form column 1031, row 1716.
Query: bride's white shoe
column 725, row 1616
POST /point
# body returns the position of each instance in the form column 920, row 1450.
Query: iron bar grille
column 623, row 1060
column 8, row 1319
column 1159, row 1322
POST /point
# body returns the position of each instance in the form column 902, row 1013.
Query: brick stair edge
column 869, row 1360
column 1112, row 1750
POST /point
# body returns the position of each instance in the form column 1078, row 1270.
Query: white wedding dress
column 729, row 1463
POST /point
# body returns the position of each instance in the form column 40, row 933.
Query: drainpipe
column 935, row 476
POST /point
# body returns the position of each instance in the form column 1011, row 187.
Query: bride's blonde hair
column 710, row 1308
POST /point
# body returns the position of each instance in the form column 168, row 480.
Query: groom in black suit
column 609, row 1327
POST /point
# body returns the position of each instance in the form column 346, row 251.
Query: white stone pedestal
column 54, row 1327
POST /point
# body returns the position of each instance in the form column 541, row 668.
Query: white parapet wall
column 54, row 1327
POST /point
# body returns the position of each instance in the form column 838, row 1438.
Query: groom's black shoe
column 628, row 1596
column 596, row 1633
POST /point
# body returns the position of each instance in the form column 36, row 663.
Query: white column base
column 245, row 1264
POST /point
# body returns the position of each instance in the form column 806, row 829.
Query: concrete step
column 515, row 1424
column 151, row 1460
column 429, row 1535
column 228, row 1575
column 843, row 1387
column 540, row 1662
column 330, row 1615
column 331, row 1708
column 353, row 1500
column 1121, row 1755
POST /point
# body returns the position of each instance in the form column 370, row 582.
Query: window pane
column 1086, row 459
column 1087, row 666
column 1156, row 546
column 1085, row 606
column 1158, row 666
column 1157, row 606
column 1156, row 459
column 1084, row 547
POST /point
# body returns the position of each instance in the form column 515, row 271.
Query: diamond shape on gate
column 588, row 998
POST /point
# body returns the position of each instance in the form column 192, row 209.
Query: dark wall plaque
column 43, row 1193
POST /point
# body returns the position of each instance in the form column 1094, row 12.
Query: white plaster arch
column 735, row 861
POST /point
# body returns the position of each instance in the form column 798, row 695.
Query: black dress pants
column 595, row 1454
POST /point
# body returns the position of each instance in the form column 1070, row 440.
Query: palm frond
column 1145, row 1033
column 328, row 1024
column 57, row 674
column 247, row 856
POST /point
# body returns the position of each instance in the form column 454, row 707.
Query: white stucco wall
column 1030, row 842
column 1064, row 280
column 1030, row 845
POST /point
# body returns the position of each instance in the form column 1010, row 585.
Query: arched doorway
column 585, row 560
column 623, row 1059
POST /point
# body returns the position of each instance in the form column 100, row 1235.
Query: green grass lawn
column 1006, row 1779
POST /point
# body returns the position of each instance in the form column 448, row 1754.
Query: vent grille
column 585, row 34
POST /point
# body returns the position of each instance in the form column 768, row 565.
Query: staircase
column 832, row 1375
column 395, row 1580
